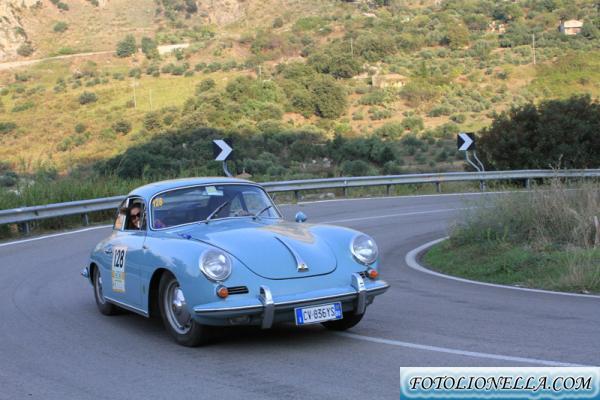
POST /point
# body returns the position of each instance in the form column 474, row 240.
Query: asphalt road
column 54, row 344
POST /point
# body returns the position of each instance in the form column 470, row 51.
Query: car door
column 126, row 253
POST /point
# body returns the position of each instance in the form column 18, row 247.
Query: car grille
column 237, row 290
column 363, row 274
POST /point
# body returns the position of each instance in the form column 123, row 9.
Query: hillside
column 400, row 71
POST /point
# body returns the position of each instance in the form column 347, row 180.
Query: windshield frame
column 151, row 213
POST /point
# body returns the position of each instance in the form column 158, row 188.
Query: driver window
column 134, row 219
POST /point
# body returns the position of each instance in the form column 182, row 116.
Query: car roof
column 147, row 191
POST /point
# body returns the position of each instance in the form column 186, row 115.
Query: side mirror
column 300, row 216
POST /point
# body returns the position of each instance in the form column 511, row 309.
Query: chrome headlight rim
column 360, row 258
column 212, row 255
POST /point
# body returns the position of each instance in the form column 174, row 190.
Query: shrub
column 80, row 128
column 122, row 126
column 23, row 106
column 355, row 168
column 375, row 97
column 135, row 73
column 277, row 22
column 60, row 27
column 87, row 98
column 126, row 47
column 7, row 127
column 25, row 50
column 205, row 85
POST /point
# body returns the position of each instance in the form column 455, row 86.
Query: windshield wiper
column 216, row 211
column 262, row 211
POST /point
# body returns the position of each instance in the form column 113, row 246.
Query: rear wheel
column 104, row 306
column 345, row 323
column 176, row 316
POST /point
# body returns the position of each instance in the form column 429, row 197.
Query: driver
column 135, row 218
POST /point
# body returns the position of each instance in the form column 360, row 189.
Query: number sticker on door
column 118, row 269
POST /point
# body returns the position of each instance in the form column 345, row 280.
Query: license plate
column 313, row 315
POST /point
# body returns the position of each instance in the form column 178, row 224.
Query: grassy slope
column 518, row 265
column 53, row 117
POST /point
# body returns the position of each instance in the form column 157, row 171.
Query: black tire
column 104, row 306
column 184, row 330
column 347, row 322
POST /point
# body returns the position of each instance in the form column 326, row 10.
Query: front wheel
column 104, row 306
column 342, row 324
column 176, row 316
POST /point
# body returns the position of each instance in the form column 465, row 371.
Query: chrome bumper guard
column 267, row 305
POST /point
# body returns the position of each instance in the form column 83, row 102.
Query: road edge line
column 411, row 262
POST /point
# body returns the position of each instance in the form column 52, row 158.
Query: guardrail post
column 24, row 228
column 85, row 219
column 345, row 191
column 388, row 189
column 482, row 185
column 528, row 183
column 297, row 195
column 438, row 187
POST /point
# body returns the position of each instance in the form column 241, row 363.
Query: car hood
column 273, row 250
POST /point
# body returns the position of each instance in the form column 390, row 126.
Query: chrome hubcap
column 99, row 293
column 176, row 309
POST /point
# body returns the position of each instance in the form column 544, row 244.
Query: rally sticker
column 212, row 191
column 118, row 269
column 158, row 202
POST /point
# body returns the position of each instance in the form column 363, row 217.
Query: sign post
column 465, row 141
column 221, row 151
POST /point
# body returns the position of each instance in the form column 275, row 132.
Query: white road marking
column 395, row 215
column 54, row 235
column 456, row 351
column 411, row 261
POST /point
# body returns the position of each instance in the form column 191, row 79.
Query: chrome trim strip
column 361, row 301
column 228, row 309
column 128, row 307
column 269, row 309
column 301, row 266
column 257, row 308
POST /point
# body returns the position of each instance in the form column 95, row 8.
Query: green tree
column 149, row 48
column 126, row 47
column 556, row 133
column 330, row 97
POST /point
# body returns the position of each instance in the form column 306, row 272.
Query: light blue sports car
column 205, row 252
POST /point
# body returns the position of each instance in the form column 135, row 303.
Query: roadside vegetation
column 548, row 238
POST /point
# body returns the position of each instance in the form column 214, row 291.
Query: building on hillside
column 570, row 27
column 389, row 80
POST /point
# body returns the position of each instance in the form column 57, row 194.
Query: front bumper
column 265, row 309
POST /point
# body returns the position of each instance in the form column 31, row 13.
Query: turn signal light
column 373, row 274
column 222, row 292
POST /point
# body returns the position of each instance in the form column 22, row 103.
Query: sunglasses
column 135, row 215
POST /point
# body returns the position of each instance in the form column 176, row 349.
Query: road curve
column 55, row 345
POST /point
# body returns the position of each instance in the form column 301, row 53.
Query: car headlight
column 215, row 264
column 364, row 249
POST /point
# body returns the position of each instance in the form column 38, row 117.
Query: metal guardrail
column 26, row 214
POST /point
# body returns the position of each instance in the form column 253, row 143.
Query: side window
column 135, row 215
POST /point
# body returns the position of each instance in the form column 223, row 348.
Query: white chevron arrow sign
column 464, row 141
column 224, row 148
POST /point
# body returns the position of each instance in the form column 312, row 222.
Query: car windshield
column 199, row 203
